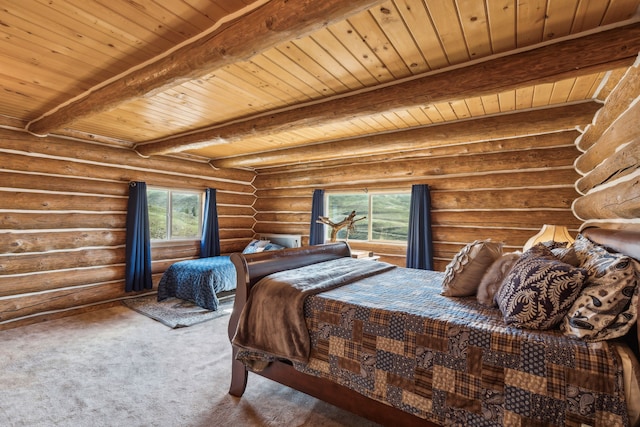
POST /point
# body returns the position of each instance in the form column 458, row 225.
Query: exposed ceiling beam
column 267, row 26
column 581, row 56
column 481, row 129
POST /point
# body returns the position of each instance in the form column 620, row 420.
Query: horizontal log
column 48, row 280
column 48, row 201
column 581, row 56
column 236, row 222
column 297, row 217
column 19, row 180
column 623, row 162
column 29, row 263
column 235, row 198
column 58, row 314
column 284, row 204
column 30, row 304
column 621, row 200
column 40, row 165
column 463, row 235
column 526, row 178
column 505, row 218
column 48, row 220
column 625, row 129
column 625, row 93
column 441, row 139
column 630, row 225
column 176, row 250
column 235, row 210
column 281, row 228
column 19, row 242
column 494, row 199
column 118, row 156
column 424, row 169
column 227, row 234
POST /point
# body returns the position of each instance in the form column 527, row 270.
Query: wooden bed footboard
column 252, row 268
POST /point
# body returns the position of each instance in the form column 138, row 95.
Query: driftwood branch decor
column 348, row 222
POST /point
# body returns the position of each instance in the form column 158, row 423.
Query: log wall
column 609, row 166
column 62, row 221
column 491, row 185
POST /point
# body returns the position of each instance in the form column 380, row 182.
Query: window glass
column 390, row 216
column 174, row 214
column 157, row 201
column 340, row 206
column 185, row 215
column 387, row 215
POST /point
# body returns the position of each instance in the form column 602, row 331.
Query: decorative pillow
column 552, row 244
column 493, row 278
column 273, row 247
column 255, row 246
column 539, row 290
column 607, row 307
column 464, row 272
column 566, row 255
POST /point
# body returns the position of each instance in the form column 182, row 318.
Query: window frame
column 368, row 214
column 169, row 241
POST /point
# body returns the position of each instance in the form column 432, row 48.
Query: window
column 387, row 215
column 174, row 214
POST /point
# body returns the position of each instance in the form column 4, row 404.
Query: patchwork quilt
column 198, row 280
column 394, row 338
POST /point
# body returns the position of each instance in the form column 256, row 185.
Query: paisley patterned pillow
column 463, row 274
column 606, row 308
column 539, row 290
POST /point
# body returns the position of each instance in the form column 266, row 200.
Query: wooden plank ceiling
column 263, row 84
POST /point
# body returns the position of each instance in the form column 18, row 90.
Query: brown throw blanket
column 273, row 318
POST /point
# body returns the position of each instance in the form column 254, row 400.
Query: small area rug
column 175, row 312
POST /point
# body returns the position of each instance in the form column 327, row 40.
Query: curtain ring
column 132, row 184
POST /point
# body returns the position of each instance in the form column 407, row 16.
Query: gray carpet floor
column 116, row 367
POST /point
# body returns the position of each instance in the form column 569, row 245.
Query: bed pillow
column 273, row 246
column 607, row 307
column 539, row 290
column 464, row 272
column 493, row 278
column 255, row 246
column 567, row 255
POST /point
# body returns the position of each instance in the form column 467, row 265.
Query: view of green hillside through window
column 387, row 215
column 176, row 211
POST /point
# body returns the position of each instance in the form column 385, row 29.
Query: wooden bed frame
column 251, row 268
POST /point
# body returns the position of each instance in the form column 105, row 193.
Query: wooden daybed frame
column 254, row 267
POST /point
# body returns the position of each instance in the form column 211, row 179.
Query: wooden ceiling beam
column 401, row 143
column 267, row 26
column 581, row 56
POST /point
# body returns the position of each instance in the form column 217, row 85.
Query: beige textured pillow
column 464, row 272
column 493, row 278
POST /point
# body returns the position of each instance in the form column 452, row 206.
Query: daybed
column 389, row 346
column 200, row 280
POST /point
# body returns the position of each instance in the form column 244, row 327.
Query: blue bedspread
column 198, row 280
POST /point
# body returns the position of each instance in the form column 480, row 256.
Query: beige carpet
column 116, row 367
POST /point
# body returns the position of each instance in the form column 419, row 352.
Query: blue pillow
column 273, row 247
column 255, row 246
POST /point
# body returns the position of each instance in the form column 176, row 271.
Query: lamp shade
column 557, row 233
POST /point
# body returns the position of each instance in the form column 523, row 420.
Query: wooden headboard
column 253, row 267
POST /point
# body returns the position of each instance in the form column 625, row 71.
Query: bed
column 201, row 280
column 416, row 357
